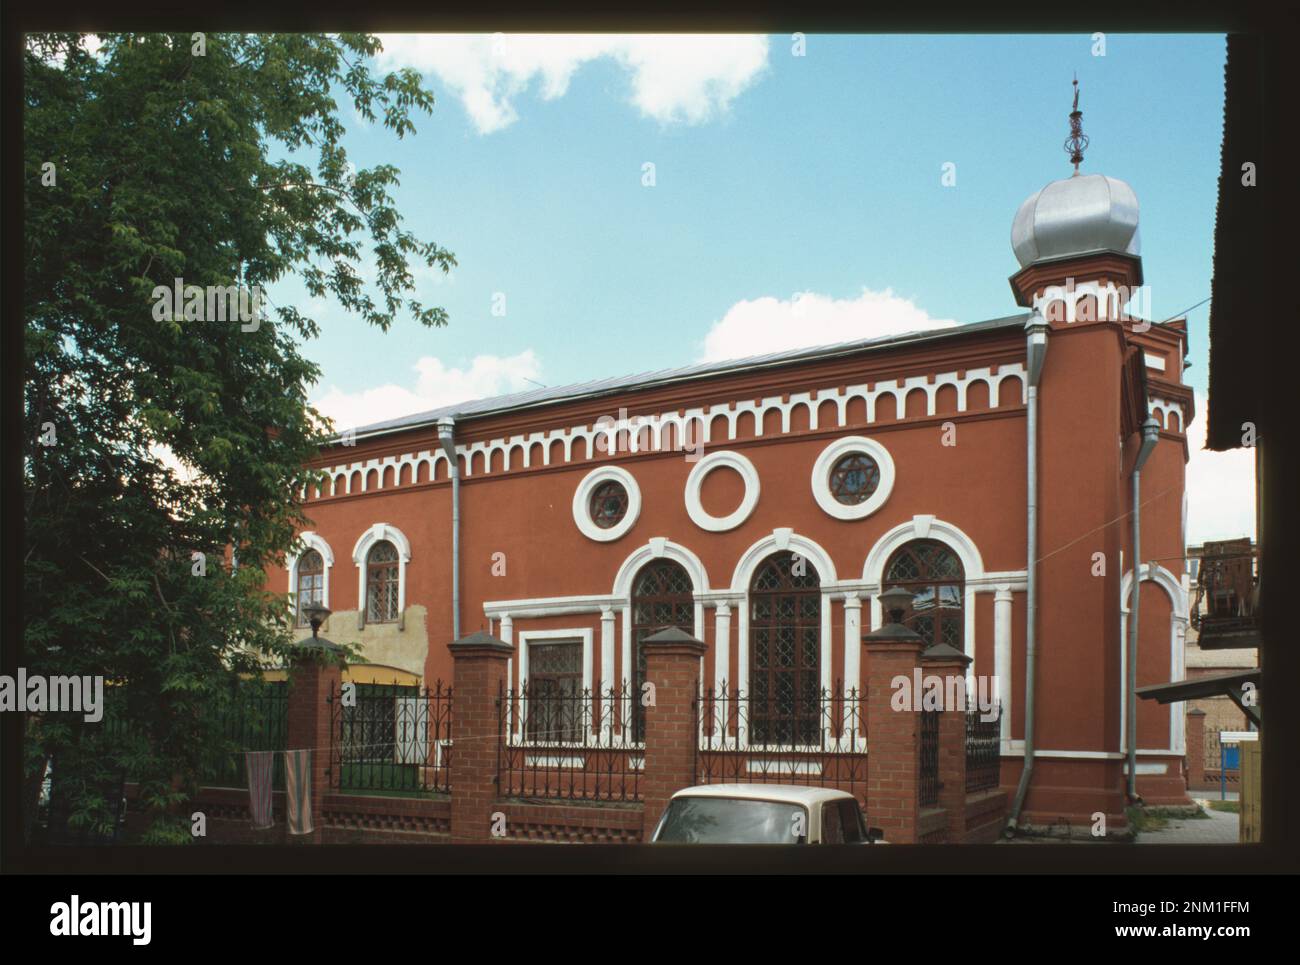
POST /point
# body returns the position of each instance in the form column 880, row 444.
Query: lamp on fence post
column 895, row 602
column 317, row 615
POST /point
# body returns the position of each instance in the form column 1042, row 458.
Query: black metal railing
column 983, row 750
column 391, row 739
column 929, row 758
column 820, row 741
column 559, row 741
column 256, row 719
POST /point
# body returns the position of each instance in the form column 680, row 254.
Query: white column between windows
column 852, row 662
column 721, row 646
column 606, row 671
column 1002, row 655
column 507, row 635
column 852, row 642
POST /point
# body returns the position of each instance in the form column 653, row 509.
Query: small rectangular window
column 555, row 704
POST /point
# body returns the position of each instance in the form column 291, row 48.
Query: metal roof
column 600, row 387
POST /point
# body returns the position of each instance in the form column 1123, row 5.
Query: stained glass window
column 854, row 478
column 608, row 504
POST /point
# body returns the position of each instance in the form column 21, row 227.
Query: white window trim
column 310, row 541
column 832, row 454
column 695, row 483
column 586, row 635
column 375, row 534
column 582, row 503
column 1178, row 622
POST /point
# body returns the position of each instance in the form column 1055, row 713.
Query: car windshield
column 720, row 820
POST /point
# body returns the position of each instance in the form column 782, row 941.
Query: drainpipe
column 1035, row 352
column 1150, row 436
column 446, row 434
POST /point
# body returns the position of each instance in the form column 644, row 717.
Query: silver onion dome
column 1080, row 215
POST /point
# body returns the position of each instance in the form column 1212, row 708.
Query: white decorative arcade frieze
column 714, row 425
column 1162, row 408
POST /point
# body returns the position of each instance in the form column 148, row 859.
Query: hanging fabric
column 258, row 765
column 297, row 788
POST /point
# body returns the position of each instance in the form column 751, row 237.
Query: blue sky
column 774, row 175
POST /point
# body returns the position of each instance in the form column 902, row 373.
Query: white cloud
column 1220, row 487
column 435, row 385
column 773, row 325
column 92, row 43
column 687, row 78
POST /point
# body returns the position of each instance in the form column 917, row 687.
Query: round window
column 854, row 479
column 608, row 504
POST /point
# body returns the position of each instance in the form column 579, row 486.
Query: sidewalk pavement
column 1221, row 828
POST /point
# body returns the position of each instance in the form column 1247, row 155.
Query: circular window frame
column 830, row 456
column 695, row 484
column 582, row 503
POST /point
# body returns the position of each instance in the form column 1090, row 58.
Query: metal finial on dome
column 1077, row 142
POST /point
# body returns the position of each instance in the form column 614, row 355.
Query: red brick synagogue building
column 764, row 504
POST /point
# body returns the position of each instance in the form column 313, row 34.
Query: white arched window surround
column 1178, row 616
column 375, row 534
column 657, row 548
column 833, row 453
column 311, row 541
column 582, row 503
column 928, row 527
column 781, row 540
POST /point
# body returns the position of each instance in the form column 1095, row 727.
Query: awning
column 1232, row 685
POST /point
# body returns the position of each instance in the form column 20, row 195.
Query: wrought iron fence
column 559, row 741
column 983, row 750
column 929, row 758
column 391, row 739
column 818, row 741
column 256, row 718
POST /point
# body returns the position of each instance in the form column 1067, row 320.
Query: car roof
column 785, row 793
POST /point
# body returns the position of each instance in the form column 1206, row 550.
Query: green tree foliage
column 149, row 441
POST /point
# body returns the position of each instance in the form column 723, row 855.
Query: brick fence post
column 893, row 736
column 672, row 660
column 948, row 663
column 1195, row 725
column 479, row 677
column 315, row 673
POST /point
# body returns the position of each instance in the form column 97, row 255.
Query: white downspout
column 446, row 439
column 1036, row 329
column 1150, row 436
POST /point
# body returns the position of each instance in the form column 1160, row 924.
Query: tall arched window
column 662, row 596
column 381, row 583
column 933, row 573
column 785, row 606
column 310, row 588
